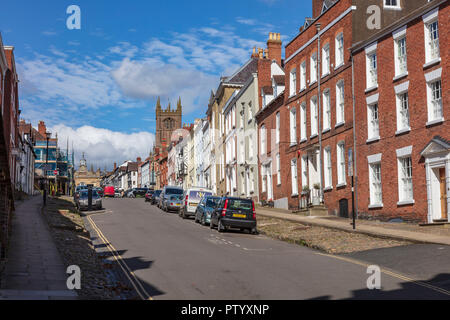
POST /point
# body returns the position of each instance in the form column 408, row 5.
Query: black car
column 234, row 213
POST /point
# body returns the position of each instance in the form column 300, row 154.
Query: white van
column 191, row 199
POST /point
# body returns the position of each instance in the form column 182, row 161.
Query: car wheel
column 220, row 227
column 183, row 215
column 211, row 225
column 203, row 221
column 254, row 231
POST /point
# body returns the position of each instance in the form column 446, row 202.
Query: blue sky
column 106, row 77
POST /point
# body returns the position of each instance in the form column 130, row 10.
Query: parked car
column 155, row 198
column 76, row 194
column 148, row 195
column 174, row 203
column 117, row 194
column 83, row 204
column 205, row 209
column 165, row 195
column 109, row 192
column 139, row 192
column 192, row 198
column 234, row 213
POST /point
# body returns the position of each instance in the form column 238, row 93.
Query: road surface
column 167, row 257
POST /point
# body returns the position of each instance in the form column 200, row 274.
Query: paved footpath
column 35, row 269
column 365, row 229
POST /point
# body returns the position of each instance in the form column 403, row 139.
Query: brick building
column 9, row 153
column 318, row 114
column 402, row 103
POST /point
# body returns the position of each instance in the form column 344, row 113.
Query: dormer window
column 392, row 4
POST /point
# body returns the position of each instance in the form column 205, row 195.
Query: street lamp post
column 47, row 136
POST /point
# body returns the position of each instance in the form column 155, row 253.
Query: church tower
column 167, row 121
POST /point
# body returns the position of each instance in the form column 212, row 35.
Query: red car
column 109, row 192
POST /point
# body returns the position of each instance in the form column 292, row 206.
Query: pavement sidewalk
column 345, row 225
column 34, row 269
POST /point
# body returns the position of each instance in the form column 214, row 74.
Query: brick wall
column 336, row 134
column 419, row 135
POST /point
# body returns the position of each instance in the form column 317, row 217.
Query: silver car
column 83, row 203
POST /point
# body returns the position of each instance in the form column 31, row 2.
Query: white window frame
column 371, row 67
column 403, row 124
column 277, row 133
column 400, row 56
column 373, row 118
column 303, row 76
column 293, row 82
column 339, row 50
column 326, row 110
column 293, row 126
column 294, row 177
column 434, row 105
column 340, row 103
column 387, row 4
column 314, row 71
column 405, row 176
column 326, row 60
column 278, row 169
column 263, row 139
column 303, row 122
column 328, row 170
column 340, row 157
column 314, row 117
column 432, row 47
column 375, row 185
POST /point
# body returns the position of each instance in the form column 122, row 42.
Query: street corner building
column 402, row 103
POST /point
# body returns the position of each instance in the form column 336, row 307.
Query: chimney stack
column 42, row 128
column 138, row 160
column 274, row 47
column 317, row 8
column 115, row 165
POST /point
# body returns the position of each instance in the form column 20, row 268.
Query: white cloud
column 104, row 147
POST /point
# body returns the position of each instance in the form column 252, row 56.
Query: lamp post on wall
column 47, row 136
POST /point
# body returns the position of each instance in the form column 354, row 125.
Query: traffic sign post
column 350, row 173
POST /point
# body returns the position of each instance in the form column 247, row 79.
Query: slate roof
column 241, row 76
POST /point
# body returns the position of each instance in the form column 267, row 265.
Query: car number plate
column 239, row 215
column 192, row 204
column 177, row 204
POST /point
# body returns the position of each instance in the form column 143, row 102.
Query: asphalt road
column 174, row 258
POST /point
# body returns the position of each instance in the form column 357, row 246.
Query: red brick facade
column 390, row 140
column 298, row 51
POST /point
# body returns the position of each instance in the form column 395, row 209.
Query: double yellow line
column 392, row 274
column 143, row 294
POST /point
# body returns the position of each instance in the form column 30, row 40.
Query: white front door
column 269, row 182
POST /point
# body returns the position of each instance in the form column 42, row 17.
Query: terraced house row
column 359, row 97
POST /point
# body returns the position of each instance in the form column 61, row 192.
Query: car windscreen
column 198, row 195
column 239, row 204
column 212, row 202
column 84, row 194
column 174, row 191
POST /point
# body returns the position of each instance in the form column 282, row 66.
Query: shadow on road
column 408, row 291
